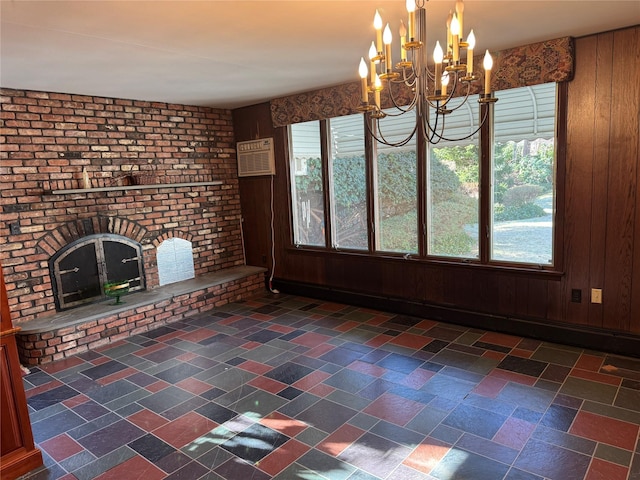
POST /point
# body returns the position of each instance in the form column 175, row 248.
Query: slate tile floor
column 284, row 387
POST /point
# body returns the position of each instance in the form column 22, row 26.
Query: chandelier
column 431, row 91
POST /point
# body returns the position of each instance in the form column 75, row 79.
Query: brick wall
column 48, row 139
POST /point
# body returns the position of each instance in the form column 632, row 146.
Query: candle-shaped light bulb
column 377, row 89
column 488, row 65
column 471, row 40
column 455, row 37
column 372, row 55
column 471, row 44
column 377, row 24
column 445, row 82
column 363, row 71
column 459, row 10
column 438, row 56
column 387, row 38
column 411, row 8
column 449, row 40
column 403, row 40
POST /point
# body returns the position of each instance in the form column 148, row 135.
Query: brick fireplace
column 73, row 166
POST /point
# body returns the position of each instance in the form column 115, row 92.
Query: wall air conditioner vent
column 256, row 157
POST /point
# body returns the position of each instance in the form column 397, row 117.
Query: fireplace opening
column 80, row 270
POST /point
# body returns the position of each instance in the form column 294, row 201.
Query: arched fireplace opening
column 80, row 270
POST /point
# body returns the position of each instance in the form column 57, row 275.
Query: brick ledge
column 68, row 333
column 134, row 300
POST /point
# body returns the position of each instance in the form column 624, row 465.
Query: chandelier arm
column 429, row 131
column 465, row 97
column 402, row 109
column 446, row 139
column 400, row 143
column 379, row 137
column 399, row 113
column 430, row 75
column 434, row 137
column 450, row 96
column 408, row 80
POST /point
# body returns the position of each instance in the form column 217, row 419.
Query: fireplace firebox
column 80, row 270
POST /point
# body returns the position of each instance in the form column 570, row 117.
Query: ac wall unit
column 255, row 157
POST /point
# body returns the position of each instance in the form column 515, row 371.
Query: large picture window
column 487, row 197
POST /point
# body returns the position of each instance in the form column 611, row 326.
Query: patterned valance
column 543, row 62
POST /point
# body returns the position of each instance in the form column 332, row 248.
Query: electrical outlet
column 576, row 295
column 596, row 295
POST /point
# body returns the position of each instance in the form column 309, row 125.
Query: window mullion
column 486, row 182
column 327, row 182
column 422, row 179
column 560, row 172
column 371, row 165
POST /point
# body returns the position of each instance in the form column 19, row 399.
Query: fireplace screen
column 80, row 270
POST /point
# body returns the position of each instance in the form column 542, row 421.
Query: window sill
column 524, row 269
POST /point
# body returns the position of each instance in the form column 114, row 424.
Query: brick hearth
column 76, row 331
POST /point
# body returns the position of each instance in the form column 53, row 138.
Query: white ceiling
column 228, row 54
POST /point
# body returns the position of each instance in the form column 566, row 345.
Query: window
column 487, row 197
column 523, row 171
column 396, row 188
column 307, row 186
column 453, row 187
column 348, row 183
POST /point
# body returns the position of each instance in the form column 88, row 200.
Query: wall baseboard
column 566, row 334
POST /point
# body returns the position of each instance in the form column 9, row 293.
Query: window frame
column 293, row 210
column 483, row 262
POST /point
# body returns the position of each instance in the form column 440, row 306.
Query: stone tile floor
column 284, row 387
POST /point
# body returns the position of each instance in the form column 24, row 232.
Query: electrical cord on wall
column 244, row 253
column 273, row 246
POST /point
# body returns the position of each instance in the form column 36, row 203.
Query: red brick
column 89, row 338
column 97, row 329
column 66, row 346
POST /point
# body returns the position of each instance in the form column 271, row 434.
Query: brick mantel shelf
column 129, row 187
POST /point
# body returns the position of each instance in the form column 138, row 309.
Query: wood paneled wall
column 255, row 192
column 602, row 216
column 601, row 212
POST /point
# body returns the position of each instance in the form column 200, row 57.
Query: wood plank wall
column 601, row 214
column 255, row 192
